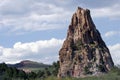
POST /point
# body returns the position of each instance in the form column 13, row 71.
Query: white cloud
column 18, row 16
column 115, row 53
column 111, row 33
column 43, row 50
column 108, row 11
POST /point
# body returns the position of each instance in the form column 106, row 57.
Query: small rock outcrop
column 83, row 52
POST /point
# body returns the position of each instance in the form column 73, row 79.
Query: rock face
column 83, row 52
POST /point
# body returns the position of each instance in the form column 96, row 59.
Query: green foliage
column 109, row 76
column 22, row 74
column 3, row 67
column 50, row 71
column 40, row 74
column 47, row 72
column 101, row 68
column 32, row 75
column 55, row 68
column 15, row 72
column 116, row 70
column 8, row 73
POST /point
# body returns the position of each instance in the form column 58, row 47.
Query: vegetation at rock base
column 10, row 73
column 114, row 74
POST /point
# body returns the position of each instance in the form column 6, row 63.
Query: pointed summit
column 79, row 8
column 83, row 52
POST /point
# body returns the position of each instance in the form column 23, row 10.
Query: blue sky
column 36, row 29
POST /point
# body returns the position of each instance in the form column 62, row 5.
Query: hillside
column 28, row 64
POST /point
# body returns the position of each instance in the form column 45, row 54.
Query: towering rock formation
column 83, row 52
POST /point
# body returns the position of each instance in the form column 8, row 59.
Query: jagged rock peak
column 83, row 52
column 81, row 9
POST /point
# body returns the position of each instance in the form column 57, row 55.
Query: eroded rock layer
column 83, row 52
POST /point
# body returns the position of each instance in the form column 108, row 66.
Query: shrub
column 101, row 68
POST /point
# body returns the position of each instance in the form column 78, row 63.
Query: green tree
column 55, row 67
column 40, row 74
column 9, row 72
column 47, row 72
column 3, row 67
column 22, row 74
column 32, row 75
column 15, row 72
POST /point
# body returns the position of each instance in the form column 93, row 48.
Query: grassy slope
column 87, row 78
column 34, row 69
column 112, row 75
column 109, row 76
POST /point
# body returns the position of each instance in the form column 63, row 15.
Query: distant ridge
column 28, row 64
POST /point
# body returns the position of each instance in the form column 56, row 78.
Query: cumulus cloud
column 111, row 33
column 115, row 53
column 45, row 51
